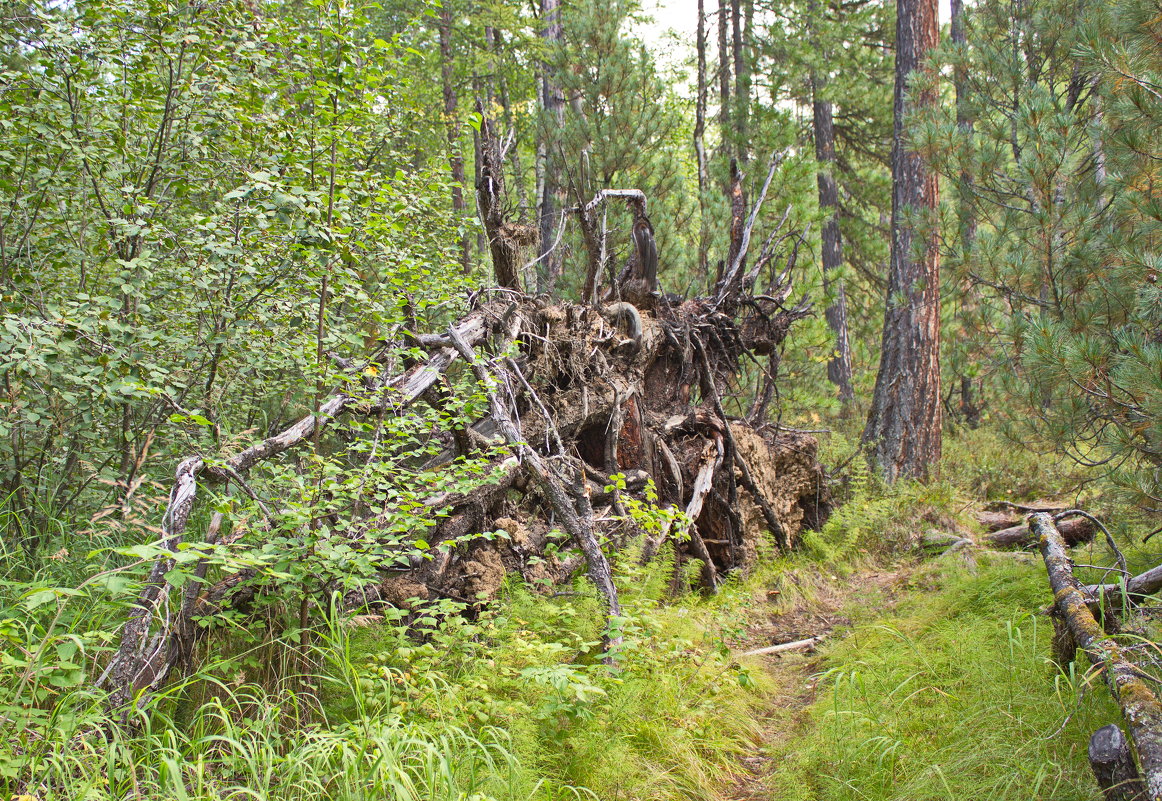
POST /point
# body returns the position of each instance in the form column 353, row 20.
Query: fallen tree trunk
column 151, row 642
column 1113, row 765
column 1074, row 532
column 808, row 644
column 1139, row 705
column 1110, row 596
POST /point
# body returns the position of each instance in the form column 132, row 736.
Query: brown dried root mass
column 620, row 400
column 577, row 393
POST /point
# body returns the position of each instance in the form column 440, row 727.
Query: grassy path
column 936, row 684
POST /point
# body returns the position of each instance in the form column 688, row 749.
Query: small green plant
column 646, row 515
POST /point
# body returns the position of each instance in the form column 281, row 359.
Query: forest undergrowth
column 935, row 680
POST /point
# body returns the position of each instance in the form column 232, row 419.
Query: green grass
column 948, row 695
column 668, row 723
column 951, row 696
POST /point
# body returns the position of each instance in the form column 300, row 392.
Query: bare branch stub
column 504, row 239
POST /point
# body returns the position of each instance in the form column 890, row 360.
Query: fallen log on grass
column 1113, row 765
column 807, row 644
column 1074, row 532
column 1137, row 588
column 1139, row 704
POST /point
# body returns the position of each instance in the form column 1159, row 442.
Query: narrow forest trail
column 823, row 607
column 933, row 680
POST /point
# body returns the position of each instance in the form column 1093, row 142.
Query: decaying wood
column 576, row 392
column 1139, row 705
column 1113, row 765
column 732, row 279
column 149, row 647
column 1074, row 532
column 1137, row 588
column 503, row 241
column 808, row 643
column 575, row 514
column 712, row 456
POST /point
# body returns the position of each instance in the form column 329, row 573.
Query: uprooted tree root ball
column 630, row 387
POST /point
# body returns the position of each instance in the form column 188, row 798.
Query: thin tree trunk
column 903, row 428
column 966, row 216
column 724, row 93
column 839, row 366
column 700, row 143
column 740, row 81
column 552, row 189
column 964, row 123
column 452, row 128
column 522, row 195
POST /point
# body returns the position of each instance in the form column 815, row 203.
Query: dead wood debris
column 1139, row 704
column 576, row 392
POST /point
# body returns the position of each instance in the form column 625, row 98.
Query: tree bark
column 1109, row 596
column 489, row 202
column 964, row 123
column 903, row 428
column 452, row 128
column 552, row 188
column 725, row 96
column 700, row 143
column 492, row 35
column 1113, row 765
column 741, row 81
column 1075, row 532
column 839, row 366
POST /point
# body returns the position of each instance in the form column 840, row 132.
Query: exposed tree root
column 576, row 393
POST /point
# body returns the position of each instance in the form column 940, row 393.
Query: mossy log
column 1139, row 704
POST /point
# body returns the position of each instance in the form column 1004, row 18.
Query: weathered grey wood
column 578, row 523
column 1113, row 765
column 712, row 456
column 730, row 281
column 150, row 639
column 810, row 642
column 141, row 659
column 1137, row 588
column 1074, row 532
column 1140, row 707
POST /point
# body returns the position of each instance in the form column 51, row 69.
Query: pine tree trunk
column 452, row 128
column 700, row 142
column 966, row 215
column 724, row 94
column 741, row 81
column 552, row 190
column 964, row 123
column 903, row 428
column 839, row 367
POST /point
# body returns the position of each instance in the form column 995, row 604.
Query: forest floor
column 934, row 681
column 827, row 613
